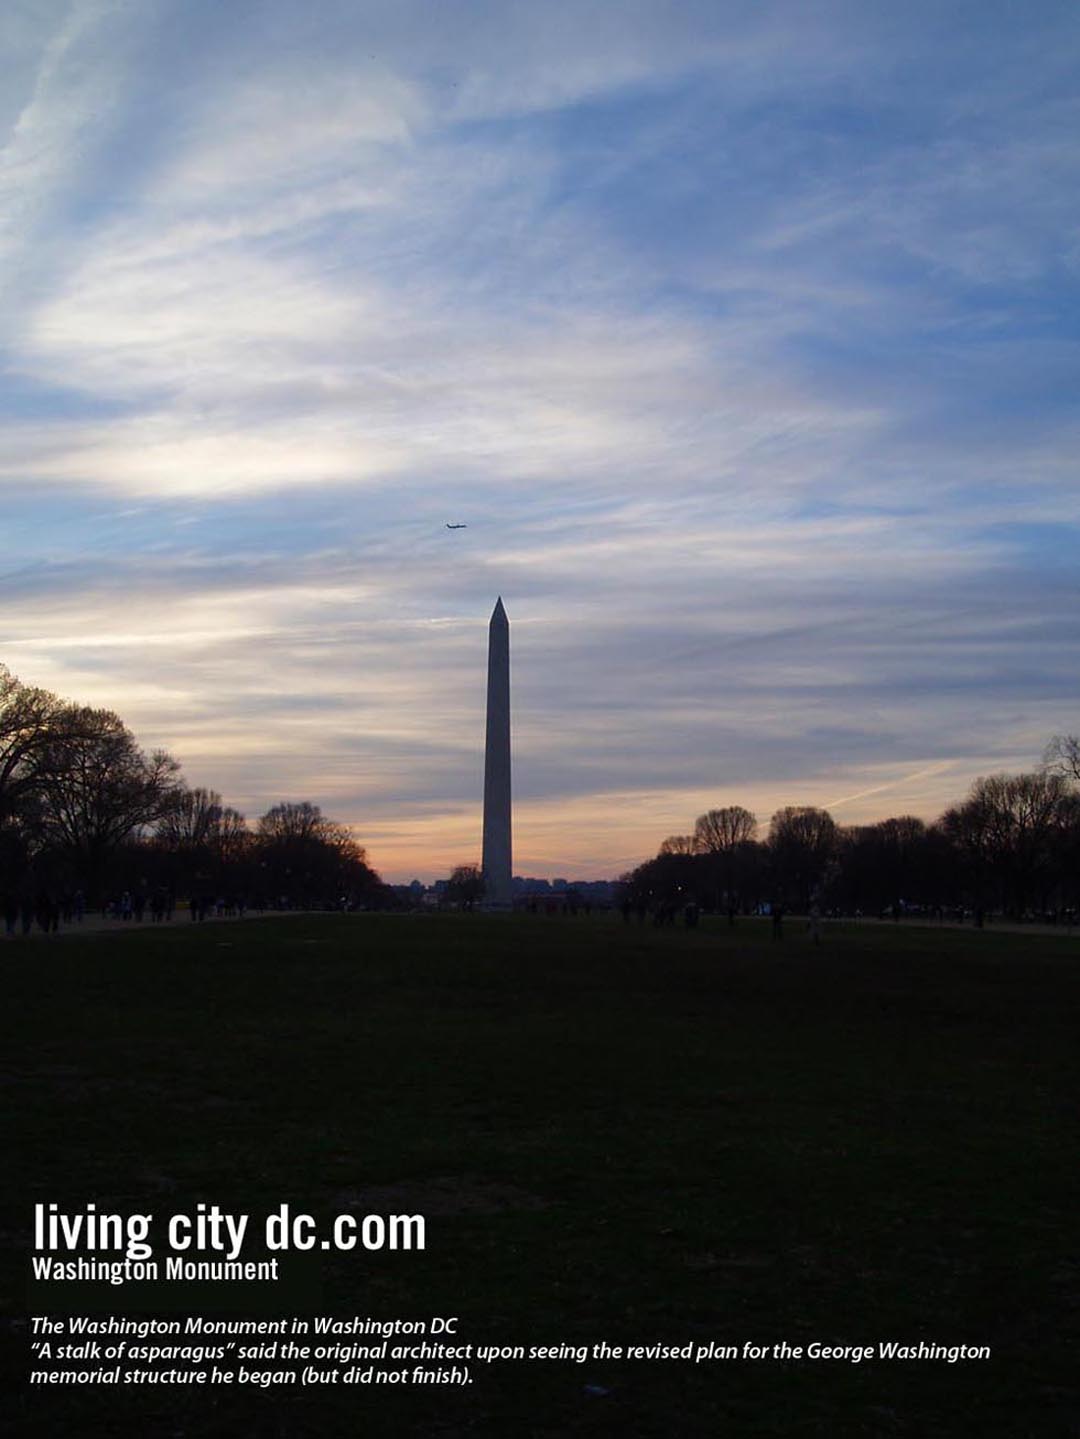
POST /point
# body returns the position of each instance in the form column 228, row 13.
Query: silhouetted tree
column 899, row 844
column 83, row 806
column 465, row 887
column 207, row 842
column 1011, row 828
column 97, row 789
column 35, row 728
column 311, row 860
column 1067, row 854
column 720, row 831
column 231, row 839
column 896, row 861
column 1014, row 843
column 721, row 834
column 191, row 820
column 1062, row 756
column 970, row 827
column 802, row 843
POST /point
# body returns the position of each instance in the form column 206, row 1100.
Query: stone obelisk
column 496, row 860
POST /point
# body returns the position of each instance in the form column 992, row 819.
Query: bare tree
column 722, row 835
column 31, row 721
column 192, row 820
column 308, row 857
column 1062, row 756
column 721, row 831
column 97, row 787
column 678, row 844
column 465, row 886
column 897, row 859
column 900, row 842
column 232, row 839
column 206, row 838
column 802, row 841
column 292, row 822
column 1009, row 826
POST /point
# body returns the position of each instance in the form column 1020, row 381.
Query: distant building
column 596, row 892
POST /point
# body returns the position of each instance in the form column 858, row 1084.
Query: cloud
column 739, row 336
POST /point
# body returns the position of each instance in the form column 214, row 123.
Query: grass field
column 615, row 1133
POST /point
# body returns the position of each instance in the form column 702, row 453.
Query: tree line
column 85, row 810
column 1012, row 847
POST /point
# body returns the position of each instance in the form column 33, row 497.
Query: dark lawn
column 615, row 1132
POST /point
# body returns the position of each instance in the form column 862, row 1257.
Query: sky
column 742, row 337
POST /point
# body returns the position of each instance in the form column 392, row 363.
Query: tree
column 191, row 821
column 1010, row 827
column 205, row 839
column 899, row 859
column 654, row 883
column 465, row 887
column 802, row 842
column 900, row 842
column 678, row 844
column 1062, row 756
column 970, row 827
column 721, row 831
column 1067, row 854
column 723, row 835
column 291, row 823
column 231, row 840
column 32, row 723
column 310, row 859
column 98, row 789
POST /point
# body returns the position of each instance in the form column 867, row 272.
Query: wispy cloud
column 741, row 337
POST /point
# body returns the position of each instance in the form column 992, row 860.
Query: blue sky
column 743, row 337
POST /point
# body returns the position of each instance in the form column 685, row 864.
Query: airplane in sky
column 457, row 527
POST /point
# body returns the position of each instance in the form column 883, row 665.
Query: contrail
column 878, row 788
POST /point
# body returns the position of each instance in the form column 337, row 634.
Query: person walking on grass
column 778, row 920
column 815, row 924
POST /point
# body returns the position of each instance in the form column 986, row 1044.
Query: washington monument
column 496, row 860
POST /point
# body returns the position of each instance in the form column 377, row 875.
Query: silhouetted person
column 690, row 915
column 778, row 921
column 815, row 924
column 44, row 911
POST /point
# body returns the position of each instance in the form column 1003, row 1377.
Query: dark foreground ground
column 615, row 1133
